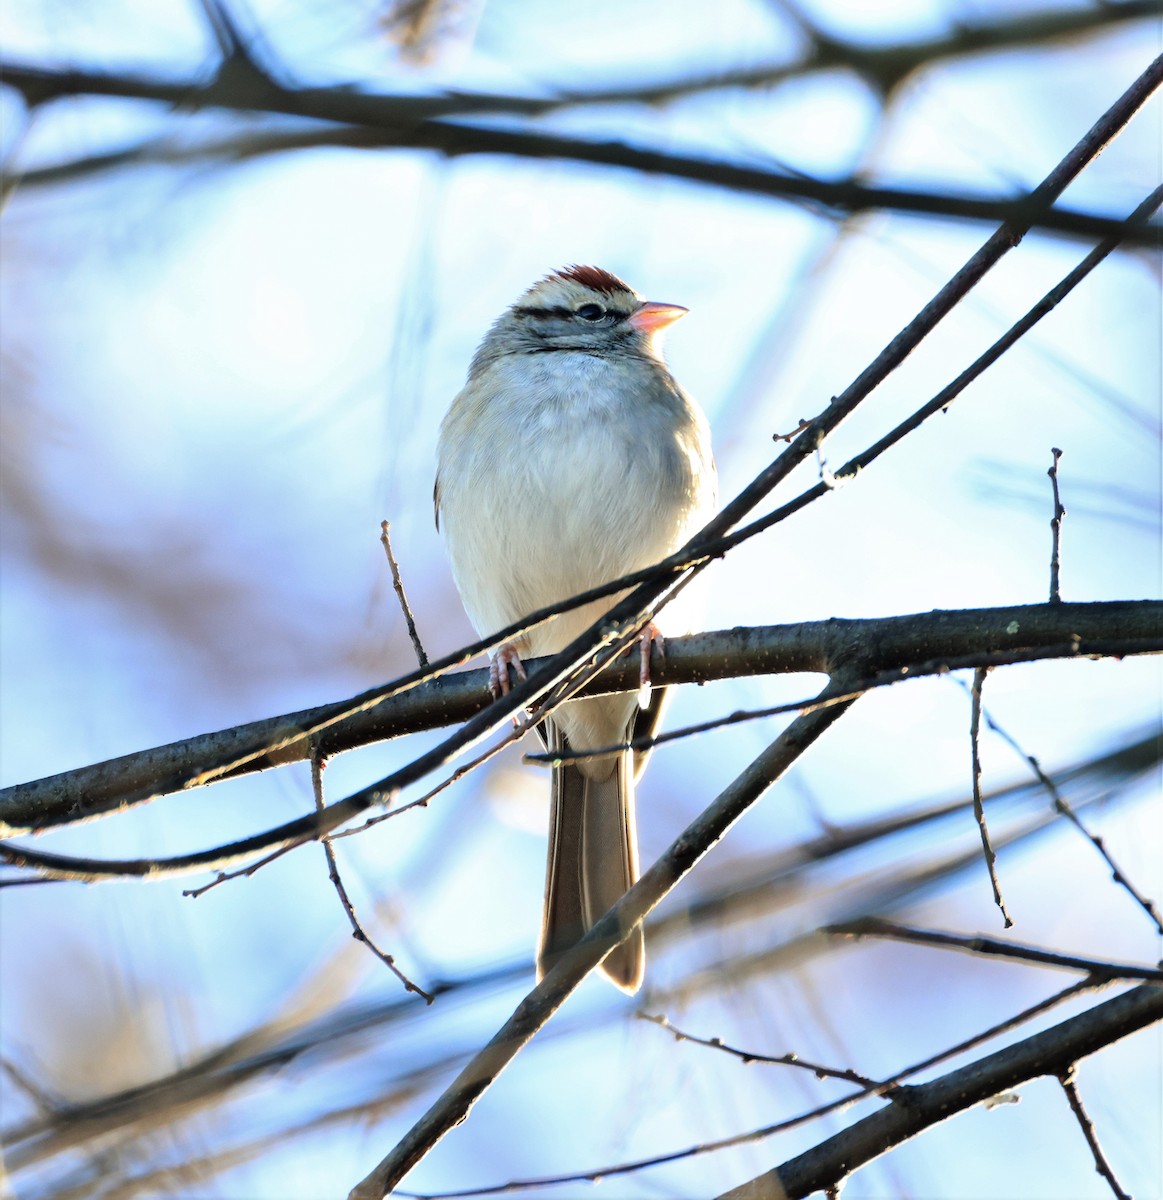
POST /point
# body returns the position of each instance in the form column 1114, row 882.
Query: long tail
column 593, row 861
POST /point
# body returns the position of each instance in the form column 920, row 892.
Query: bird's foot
column 506, row 657
column 649, row 639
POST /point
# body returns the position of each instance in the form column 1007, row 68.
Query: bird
column 570, row 458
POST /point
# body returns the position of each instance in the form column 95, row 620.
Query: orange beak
column 653, row 316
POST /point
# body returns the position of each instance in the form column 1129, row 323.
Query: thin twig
column 516, row 733
column 1048, row 1052
column 767, row 1131
column 801, row 425
column 886, row 678
column 1066, row 809
column 10, row 174
column 357, row 930
column 946, row 396
column 45, row 1104
column 1055, row 531
column 978, row 807
column 536, row 1009
column 973, row 944
column 749, row 1056
column 398, row 584
column 1069, row 1084
column 242, row 872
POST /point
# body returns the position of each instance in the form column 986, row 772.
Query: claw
column 505, row 657
column 650, row 638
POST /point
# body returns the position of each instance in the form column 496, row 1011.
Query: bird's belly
column 586, row 515
column 569, row 511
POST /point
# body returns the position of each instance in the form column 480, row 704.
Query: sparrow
column 571, row 458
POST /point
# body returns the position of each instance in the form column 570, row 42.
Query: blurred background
column 224, row 362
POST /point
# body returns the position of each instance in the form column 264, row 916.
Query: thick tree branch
column 1051, row 1052
column 868, row 646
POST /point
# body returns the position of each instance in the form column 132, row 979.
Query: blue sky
column 221, row 378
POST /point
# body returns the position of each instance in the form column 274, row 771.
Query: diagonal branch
column 867, row 646
column 1051, row 1052
column 545, row 999
column 218, row 1074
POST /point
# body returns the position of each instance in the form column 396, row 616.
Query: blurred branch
column 972, row 944
column 757, row 887
column 885, row 68
column 876, row 644
column 210, row 1080
column 214, row 1079
column 1053, row 1052
column 887, row 891
column 421, row 122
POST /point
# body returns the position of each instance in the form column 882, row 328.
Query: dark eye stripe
column 543, row 312
column 562, row 312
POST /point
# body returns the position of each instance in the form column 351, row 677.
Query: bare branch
column 943, row 665
column 357, row 929
column 422, row 122
column 405, row 607
column 751, row 1056
column 1063, row 806
column 946, row 396
column 220, row 1073
column 767, row 1131
column 1055, row 531
column 974, row 944
column 1070, row 1086
column 625, row 916
column 978, row 809
column 884, row 644
column 886, row 67
column 632, row 608
column 1051, row 1052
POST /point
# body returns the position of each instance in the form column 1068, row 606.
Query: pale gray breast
column 583, row 468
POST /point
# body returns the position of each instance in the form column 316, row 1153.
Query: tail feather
column 593, row 862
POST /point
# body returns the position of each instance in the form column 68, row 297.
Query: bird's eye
column 591, row 312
